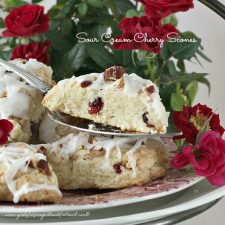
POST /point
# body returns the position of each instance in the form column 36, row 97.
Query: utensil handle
column 216, row 6
column 29, row 78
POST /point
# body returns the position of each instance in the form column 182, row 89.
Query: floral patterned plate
column 174, row 182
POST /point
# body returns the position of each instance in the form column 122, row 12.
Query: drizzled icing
column 133, row 84
column 15, row 94
column 131, row 159
column 72, row 143
column 15, row 159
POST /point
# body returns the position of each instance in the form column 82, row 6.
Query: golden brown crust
column 88, row 168
column 41, row 187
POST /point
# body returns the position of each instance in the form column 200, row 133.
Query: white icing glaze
column 72, row 143
column 36, row 68
column 130, row 156
column 27, row 188
column 134, row 86
column 15, row 94
column 15, row 159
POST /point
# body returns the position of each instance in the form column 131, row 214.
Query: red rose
column 192, row 119
column 207, row 159
column 33, row 50
column 5, row 128
column 164, row 8
column 142, row 33
column 26, row 21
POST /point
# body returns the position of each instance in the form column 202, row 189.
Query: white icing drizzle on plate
column 15, row 159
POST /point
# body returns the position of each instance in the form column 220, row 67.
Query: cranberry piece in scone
column 95, row 106
column 85, row 83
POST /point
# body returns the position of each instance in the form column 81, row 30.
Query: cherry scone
column 111, row 98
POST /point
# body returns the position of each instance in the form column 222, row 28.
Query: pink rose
column 207, row 159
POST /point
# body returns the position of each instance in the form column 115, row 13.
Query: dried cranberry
column 85, row 83
column 145, row 119
column 43, row 167
column 150, row 89
column 117, row 168
column 95, row 106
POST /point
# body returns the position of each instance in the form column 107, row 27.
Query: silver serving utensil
column 72, row 122
column 29, row 78
column 89, row 126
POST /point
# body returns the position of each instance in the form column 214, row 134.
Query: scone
column 19, row 102
column 82, row 161
column 111, row 98
column 25, row 175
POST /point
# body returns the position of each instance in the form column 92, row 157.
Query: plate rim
column 112, row 203
column 151, row 215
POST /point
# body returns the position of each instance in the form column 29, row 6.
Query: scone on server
column 112, row 98
column 19, row 102
column 25, row 175
column 81, row 161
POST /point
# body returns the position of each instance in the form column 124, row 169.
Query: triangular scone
column 25, row 175
column 111, row 98
column 81, row 161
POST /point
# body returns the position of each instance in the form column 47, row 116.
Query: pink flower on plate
column 207, row 158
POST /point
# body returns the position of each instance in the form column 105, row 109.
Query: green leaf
column 2, row 24
column 5, row 54
column 66, row 27
column 200, row 53
column 13, row 3
column 204, row 129
column 177, row 102
column 63, row 10
column 36, row 1
column 58, row 42
column 61, row 2
column 75, row 57
column 95, row 3
column 172, row 19
column 181, row 65
column 123, row 57
column 192, row 91
column 203, row 80
column 82, row 8
column 172, row 68
column 183, row 77
column 130, row 13
column 98, row 31
column 100, row 54
column 124, row 5
column 165, row 51
column 185, row 49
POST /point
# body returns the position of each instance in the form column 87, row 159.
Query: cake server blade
column 85, row 125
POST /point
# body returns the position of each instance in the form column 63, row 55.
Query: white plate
column 174, row 182
column 198, row 195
